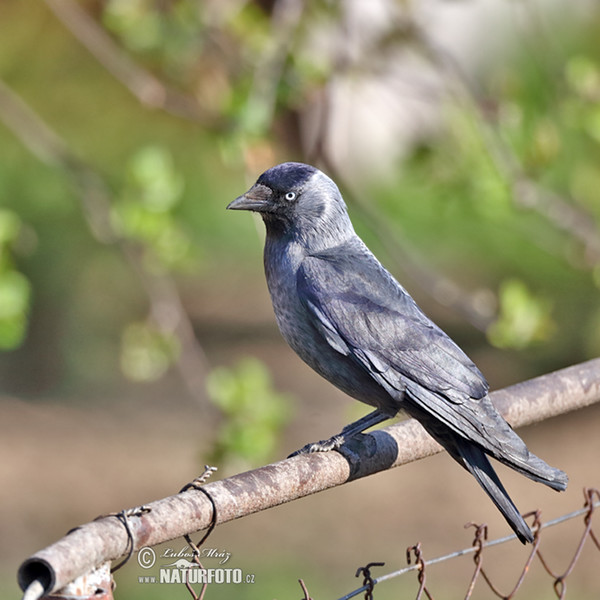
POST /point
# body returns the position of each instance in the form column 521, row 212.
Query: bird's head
column 297, row 199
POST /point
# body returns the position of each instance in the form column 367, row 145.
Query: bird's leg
column 373, row 418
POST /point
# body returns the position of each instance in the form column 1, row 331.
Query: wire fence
column 89, row 549
column 417, row 563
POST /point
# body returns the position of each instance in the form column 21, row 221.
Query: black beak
column 257, row 198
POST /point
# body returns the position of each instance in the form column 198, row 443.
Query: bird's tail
column 537, row 470
column 463, row 437
column 476, row 462
column 510, row 450
column 534, row 468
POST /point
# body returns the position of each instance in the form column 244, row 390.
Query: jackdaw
column 347, row 317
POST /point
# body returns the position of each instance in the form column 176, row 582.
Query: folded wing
column 364, row 313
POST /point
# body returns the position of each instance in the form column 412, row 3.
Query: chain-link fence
column 202, row 506
column 504, row 585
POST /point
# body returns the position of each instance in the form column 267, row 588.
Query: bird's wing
column 362, row 311
column 365, row 314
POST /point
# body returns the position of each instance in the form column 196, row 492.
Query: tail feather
column 478, row 422
column 537, row 470
column 477, row 463
column 466, row 443
column 512, row 451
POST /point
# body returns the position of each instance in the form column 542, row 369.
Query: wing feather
column 361, row 310
column 383, row 330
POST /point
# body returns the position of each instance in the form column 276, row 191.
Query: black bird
column 347, row 317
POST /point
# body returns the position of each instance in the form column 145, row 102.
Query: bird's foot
column 323, row 446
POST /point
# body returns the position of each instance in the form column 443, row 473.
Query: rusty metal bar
column 107, row 538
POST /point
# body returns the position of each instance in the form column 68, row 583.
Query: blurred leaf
column 15, row 289
column 15, row 292
column 135, row 22
column 146, row 352
column 135, row 221
column 10, row 225
column 584, row 185
column 253, row 412
column 144, row 212
column 545, row 143
column 154, row 181
column 251, row 27
column 474, row 168
column 596, row 276
column 169, row 34
column 592, row 122
column 524, row 318
column 583, row 76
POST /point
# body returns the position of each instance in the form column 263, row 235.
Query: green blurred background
column 136, row 334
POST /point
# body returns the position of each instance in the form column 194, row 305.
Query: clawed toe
column 323, row 446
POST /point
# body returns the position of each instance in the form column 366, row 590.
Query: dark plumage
column 352, row 322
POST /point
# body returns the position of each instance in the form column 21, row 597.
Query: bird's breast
column 281, row 267
column 298, row 329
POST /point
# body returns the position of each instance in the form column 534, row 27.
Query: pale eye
column 290, row 196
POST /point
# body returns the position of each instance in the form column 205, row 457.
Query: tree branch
column 147, row 88
column 106, row 539
column 559, row 210
column 165, row 303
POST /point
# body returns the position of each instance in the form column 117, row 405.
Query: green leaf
column 583, row 76
column 253, row 412
column 15, row 294
column 523, row 317
column 10, row 225
column 135, row 22
column 146, row 352
column 154, row 179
